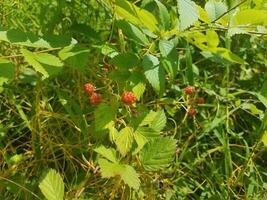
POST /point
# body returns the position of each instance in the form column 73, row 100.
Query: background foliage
column 54, row 144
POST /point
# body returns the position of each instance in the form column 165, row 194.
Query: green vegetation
column 146, row 99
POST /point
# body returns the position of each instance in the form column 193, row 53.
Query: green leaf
column 228, row 55
column 251, row 16
column 147, row 132
column 163, row 15
column 52, row 186
column 133, row 32
column 135, row 15
column 159, row 121
column 138, row 85
column 264, row 138
column 189, row 67
column 18, row 37
column 108, row 153
column 104, row 114
column 165, row 47
column 188, row 13
column 130, row 177
column 158, row 154
column 215, row 9
column 124, row 140
column 109, row 169
column 140, row 141
column 44, row 63
column 126, row 173
column 125, row 60
column 7, row 71
column 154, row 73
column 75, row 56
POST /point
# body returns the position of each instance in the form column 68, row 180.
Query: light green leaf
column 154, row 73
column 7, row 71
column 215, row 9
column 138, row 85
column 251, row 16
column 125, row 60
column 188, row 13
column 159, row 121
column 147, row 132
column 44, row 63
column 165, row 47
column 130, row 177
column 104, row 114
column 140, row 140
column 213, row 38
column 135, row 15
column 227, row 54
column 108, row 153
column 124, row 140
column 52, row 186
column 126, row 173
column 158, row 154
column 109, row 169
column 163, row 15
column 264, row 138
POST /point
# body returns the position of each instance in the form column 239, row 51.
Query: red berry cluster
column 128, row 98
column 95, row 98
column 191, row 90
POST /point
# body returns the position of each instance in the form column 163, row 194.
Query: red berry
column 190, row 90
column 128, row 98
column 89, row 88
column 200, row 100
column 95, row 99
column 191, row 112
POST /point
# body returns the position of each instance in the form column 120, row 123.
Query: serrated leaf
column 52, row 186
column 44, row 63
column 125, row 60
column 165, row 47
column 154, row 73
column 158, row 153
column 188, row 13
column 109, row 169
column 148, row 118
column 7, row 71
column 138, row 85
column 130, row 177
column 104, row 114
column 108, row 153
column 135, row 15
column 159, row 121
column 126, row 173
column 140, row 141
column 163, row 15
column 215, row 9
column 147, row 132
column 124, row 140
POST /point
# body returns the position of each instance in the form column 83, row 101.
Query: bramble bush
column 146, row 99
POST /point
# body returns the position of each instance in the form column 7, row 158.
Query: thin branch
column 228, row 11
